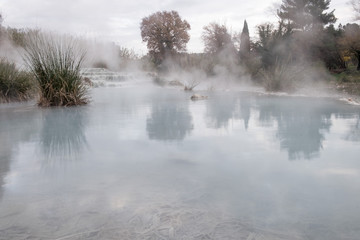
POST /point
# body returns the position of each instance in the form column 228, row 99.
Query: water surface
column 149, row 163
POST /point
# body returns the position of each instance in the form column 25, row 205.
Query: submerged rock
column 198, row 97
column 176, row 83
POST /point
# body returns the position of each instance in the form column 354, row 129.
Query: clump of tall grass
column 55, row 64
column 15, row 85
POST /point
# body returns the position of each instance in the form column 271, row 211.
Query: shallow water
column 151, row 164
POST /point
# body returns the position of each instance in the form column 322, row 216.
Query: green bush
column 15, row 85
column 55, row 64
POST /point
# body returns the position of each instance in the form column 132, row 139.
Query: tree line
column 305, row 34
column 279, row 57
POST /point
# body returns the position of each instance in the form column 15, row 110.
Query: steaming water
column 151, row 164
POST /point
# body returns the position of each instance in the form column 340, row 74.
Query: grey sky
column 119, row 20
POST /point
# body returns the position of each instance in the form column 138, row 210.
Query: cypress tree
column 245, row 41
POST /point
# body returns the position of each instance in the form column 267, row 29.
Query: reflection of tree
column 62, row 135
column 354, row 133
column 302, row 122
column 5, row 158
column 15, row 127
column 169, row 121
column 244, row 110
column 221, row 109
column 301, row 134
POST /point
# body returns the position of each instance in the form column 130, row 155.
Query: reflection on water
column 62, row 133
column 5, row 158
column 301, row 124
column 169, row 120
column 222, row 108
column 151, row 164
column 354, row 132
column 17, row 124
column 244, row 111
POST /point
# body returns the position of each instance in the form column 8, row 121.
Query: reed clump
column 55, row 63
column 15, row 85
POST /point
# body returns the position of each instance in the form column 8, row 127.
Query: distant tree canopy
column 274, row 44
column 328, row 48
column 245, row 41
column 1, row 28
column 216, row 38
column 18, row 36
column 306, row 14
column 351, row 41
column 165, row 34
column 356, row 7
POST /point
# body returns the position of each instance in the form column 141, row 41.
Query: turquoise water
column 149, row 163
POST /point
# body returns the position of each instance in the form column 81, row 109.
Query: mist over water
column 149, row 163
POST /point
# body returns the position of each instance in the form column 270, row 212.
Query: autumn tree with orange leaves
column 165, row 34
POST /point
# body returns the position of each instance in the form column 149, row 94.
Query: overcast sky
column 119, row 20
